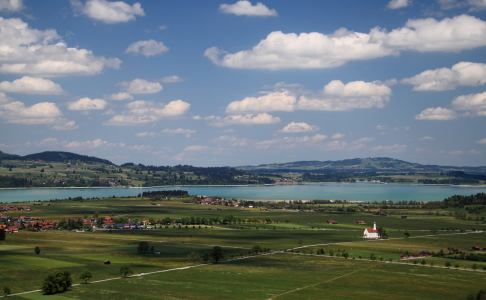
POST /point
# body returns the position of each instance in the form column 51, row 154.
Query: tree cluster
column 56, row 282
column 143, row 248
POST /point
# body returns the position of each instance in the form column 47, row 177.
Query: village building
column 371, row 233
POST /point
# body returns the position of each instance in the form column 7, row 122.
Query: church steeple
column 374, row 225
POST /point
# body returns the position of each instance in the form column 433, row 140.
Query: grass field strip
column 373, row 240
column 154, row 272
column 247, row 257
column 135, row 240
column 385, row 262
column 271, row 253
column 312, row 285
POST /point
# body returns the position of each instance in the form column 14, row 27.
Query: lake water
column 344, row 191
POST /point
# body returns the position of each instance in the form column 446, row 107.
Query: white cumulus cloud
column 67, row 125
column 145, row 134
column 438, row 113
column 16, row 112
column 87, row 104
column 186, row 132
column 394, row 4
column 41, row 53
column 426, row 138
column 393, row 148
column 196, row 148
column 317, row 50
column 170, row 79
column 11, row 5
column 108, row 11
column 279, row 101
column 337, row 96
column 299, row 127
column 482, row 141
column 245, row 8
column 141, row 86
column 97, row 143
column 31, row 85
column 248, row 119
column 461, row 74
column 475, row 103
column 119, row 96
column 337, row 136
column 147, row 48
column 145, row 112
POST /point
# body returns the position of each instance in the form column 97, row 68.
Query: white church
column 371, row 233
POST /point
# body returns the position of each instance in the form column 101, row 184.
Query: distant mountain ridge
column 56, row 156
column 371, row 164
column 354, row 165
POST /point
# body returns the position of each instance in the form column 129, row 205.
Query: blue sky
column 231, row 83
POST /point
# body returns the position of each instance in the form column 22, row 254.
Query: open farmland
column 293, row 268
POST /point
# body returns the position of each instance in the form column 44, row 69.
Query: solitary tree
column 300, row 241
column 85, row 275
column 373, row 256
column 6, row 291
column 37, row 250
column 407, row 233
column 256, row 249
column 216, row 253
column 125, row 270
column 194, row 257
column 2, row 234
column 143, row 247
column 474, row 266
column 382, row 232
column 423, row 262
column 205, row 256
column 56, row 282
column 456, row 266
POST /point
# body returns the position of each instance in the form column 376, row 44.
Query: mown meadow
column 292, row 270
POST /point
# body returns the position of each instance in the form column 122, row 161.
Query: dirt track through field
column 315, row 284
column 271, row 253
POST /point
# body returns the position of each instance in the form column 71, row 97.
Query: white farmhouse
column 371, row 233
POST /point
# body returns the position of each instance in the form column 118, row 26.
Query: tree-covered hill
column 57, row 156
column 4, row 155
column 366, row 165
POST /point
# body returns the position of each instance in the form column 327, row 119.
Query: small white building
column 371, row 233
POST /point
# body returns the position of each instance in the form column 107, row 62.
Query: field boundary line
column 312, row 285
column 376, row 240
column 154, row 272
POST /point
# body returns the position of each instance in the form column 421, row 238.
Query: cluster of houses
column 208, row 201
column 287, row 180
column 109, row 224
column 4, row 208
column 26, row 222
column 477, row 248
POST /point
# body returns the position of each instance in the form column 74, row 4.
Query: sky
column 233, row 83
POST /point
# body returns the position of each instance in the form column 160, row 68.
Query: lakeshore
column 367, row 192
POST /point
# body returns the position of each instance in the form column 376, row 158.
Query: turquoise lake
column 344, row 191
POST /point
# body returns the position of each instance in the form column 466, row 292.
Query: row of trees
column 168, row 193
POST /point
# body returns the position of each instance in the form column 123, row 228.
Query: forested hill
column 57, row 156
column 9, row 156
column 371, row 164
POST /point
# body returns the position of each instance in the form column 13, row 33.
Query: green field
column 291, row 271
